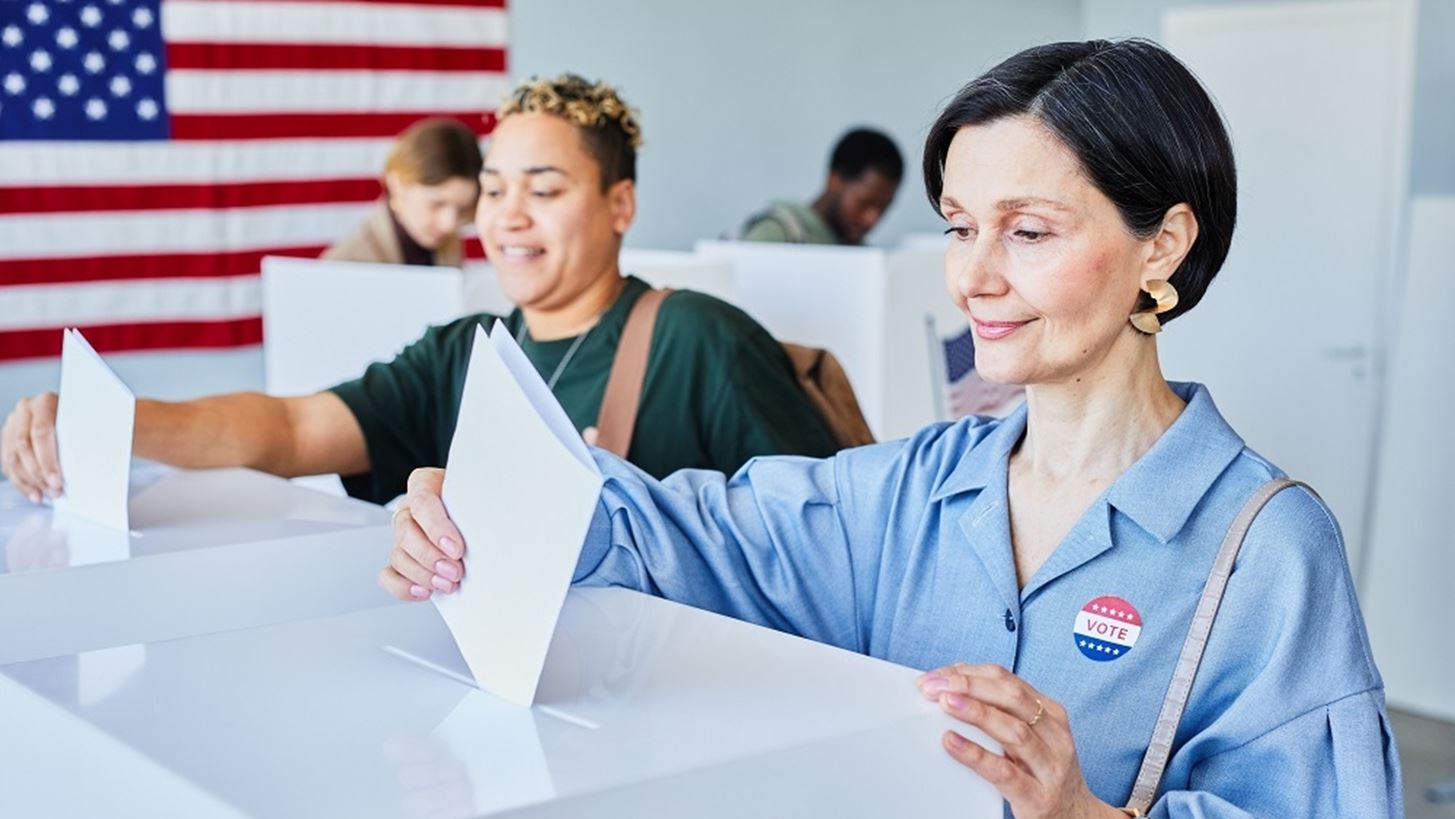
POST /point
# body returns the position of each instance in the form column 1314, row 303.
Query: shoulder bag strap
column 1160, row 748
column 618, row 417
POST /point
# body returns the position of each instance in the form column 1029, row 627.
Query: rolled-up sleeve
column 768, row 545
column 1336, row 760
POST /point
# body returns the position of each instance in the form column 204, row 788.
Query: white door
column 1316, row 96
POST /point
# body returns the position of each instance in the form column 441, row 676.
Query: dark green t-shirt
column 718, row 391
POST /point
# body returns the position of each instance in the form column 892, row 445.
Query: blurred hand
column 428, row 550
column 1039, row 775
column 28, row 452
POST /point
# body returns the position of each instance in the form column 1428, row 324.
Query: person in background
column 1048, row 567
column 558, row 195
column 431, row 182
column 864, row 174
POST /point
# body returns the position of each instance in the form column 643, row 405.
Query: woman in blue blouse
column 1047, row 564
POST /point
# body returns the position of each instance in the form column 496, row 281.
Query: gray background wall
column 741, row 102
column 1432, row 149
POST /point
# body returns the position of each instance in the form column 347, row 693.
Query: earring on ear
column 1165, row 296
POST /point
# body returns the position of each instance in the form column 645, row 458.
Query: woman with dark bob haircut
column 1060, row 555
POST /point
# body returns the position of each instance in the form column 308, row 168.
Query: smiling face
column 430, row 214
column 1039, row 259
column 549, row 229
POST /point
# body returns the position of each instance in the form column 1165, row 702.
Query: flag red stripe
column 474, row 248
column 157, row 266
column 233, row 56
column 296, row 126
column 158, row 335
column 90, row 198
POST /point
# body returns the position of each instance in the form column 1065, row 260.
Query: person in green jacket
column 864, row 174
column 558, row 193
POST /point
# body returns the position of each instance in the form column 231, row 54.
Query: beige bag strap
column 618, row 416
column 1144, row 792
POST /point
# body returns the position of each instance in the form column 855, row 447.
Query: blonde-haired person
column 558, row 194
column 431, row 183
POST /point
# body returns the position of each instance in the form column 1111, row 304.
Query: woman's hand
column 1039, row 775
column 28, row 454
column 428, row 550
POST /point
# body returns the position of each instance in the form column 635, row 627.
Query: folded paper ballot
column 522, row 488
column 94, row 421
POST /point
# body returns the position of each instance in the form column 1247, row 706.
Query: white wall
column 1432, row 160
column 741, row 102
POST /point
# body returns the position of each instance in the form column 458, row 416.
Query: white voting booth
column 320, row 703
column 871, row 308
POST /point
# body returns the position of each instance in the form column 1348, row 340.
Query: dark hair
column 863, row 149
column 1143, row 128
column 609, row 126
column 435, row 150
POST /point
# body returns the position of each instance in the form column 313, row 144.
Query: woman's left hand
column 1039, row 775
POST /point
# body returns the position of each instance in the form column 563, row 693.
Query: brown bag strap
column 618, row 417
column 1144, row 792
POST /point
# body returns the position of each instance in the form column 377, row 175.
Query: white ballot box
column 207, row 551
column 869, row 307
column 645, row 709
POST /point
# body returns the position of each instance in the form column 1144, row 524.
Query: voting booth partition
column 324, row 322
column 871, row 308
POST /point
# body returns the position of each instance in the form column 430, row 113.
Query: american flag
column 965, row 392
column 153, row 151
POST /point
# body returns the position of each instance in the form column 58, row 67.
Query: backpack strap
column 623, row 396
column 793, row 230
column 1144, row 792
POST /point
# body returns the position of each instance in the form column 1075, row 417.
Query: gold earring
column 1165, row 295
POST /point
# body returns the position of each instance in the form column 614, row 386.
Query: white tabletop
column 208, row 551
column 646, row 708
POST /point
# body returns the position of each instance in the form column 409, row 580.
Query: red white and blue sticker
column 1107, row 628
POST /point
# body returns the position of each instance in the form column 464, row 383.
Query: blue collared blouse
column 902, row 551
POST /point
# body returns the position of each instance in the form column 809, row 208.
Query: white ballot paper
column 522, row 488
column 94, row 419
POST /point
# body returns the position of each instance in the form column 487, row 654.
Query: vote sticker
column 1107, row 628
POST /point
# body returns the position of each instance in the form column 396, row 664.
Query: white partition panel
column 324, row 322
column 914, row 380
column 869, row 307
column 1409, row 585
column 831, row 297
column 681, row 270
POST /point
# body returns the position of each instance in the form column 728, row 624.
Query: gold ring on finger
column 1040, row 712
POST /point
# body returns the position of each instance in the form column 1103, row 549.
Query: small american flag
column 965, row 392
column 153, row 151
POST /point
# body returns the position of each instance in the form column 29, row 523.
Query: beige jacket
column 376, row 241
